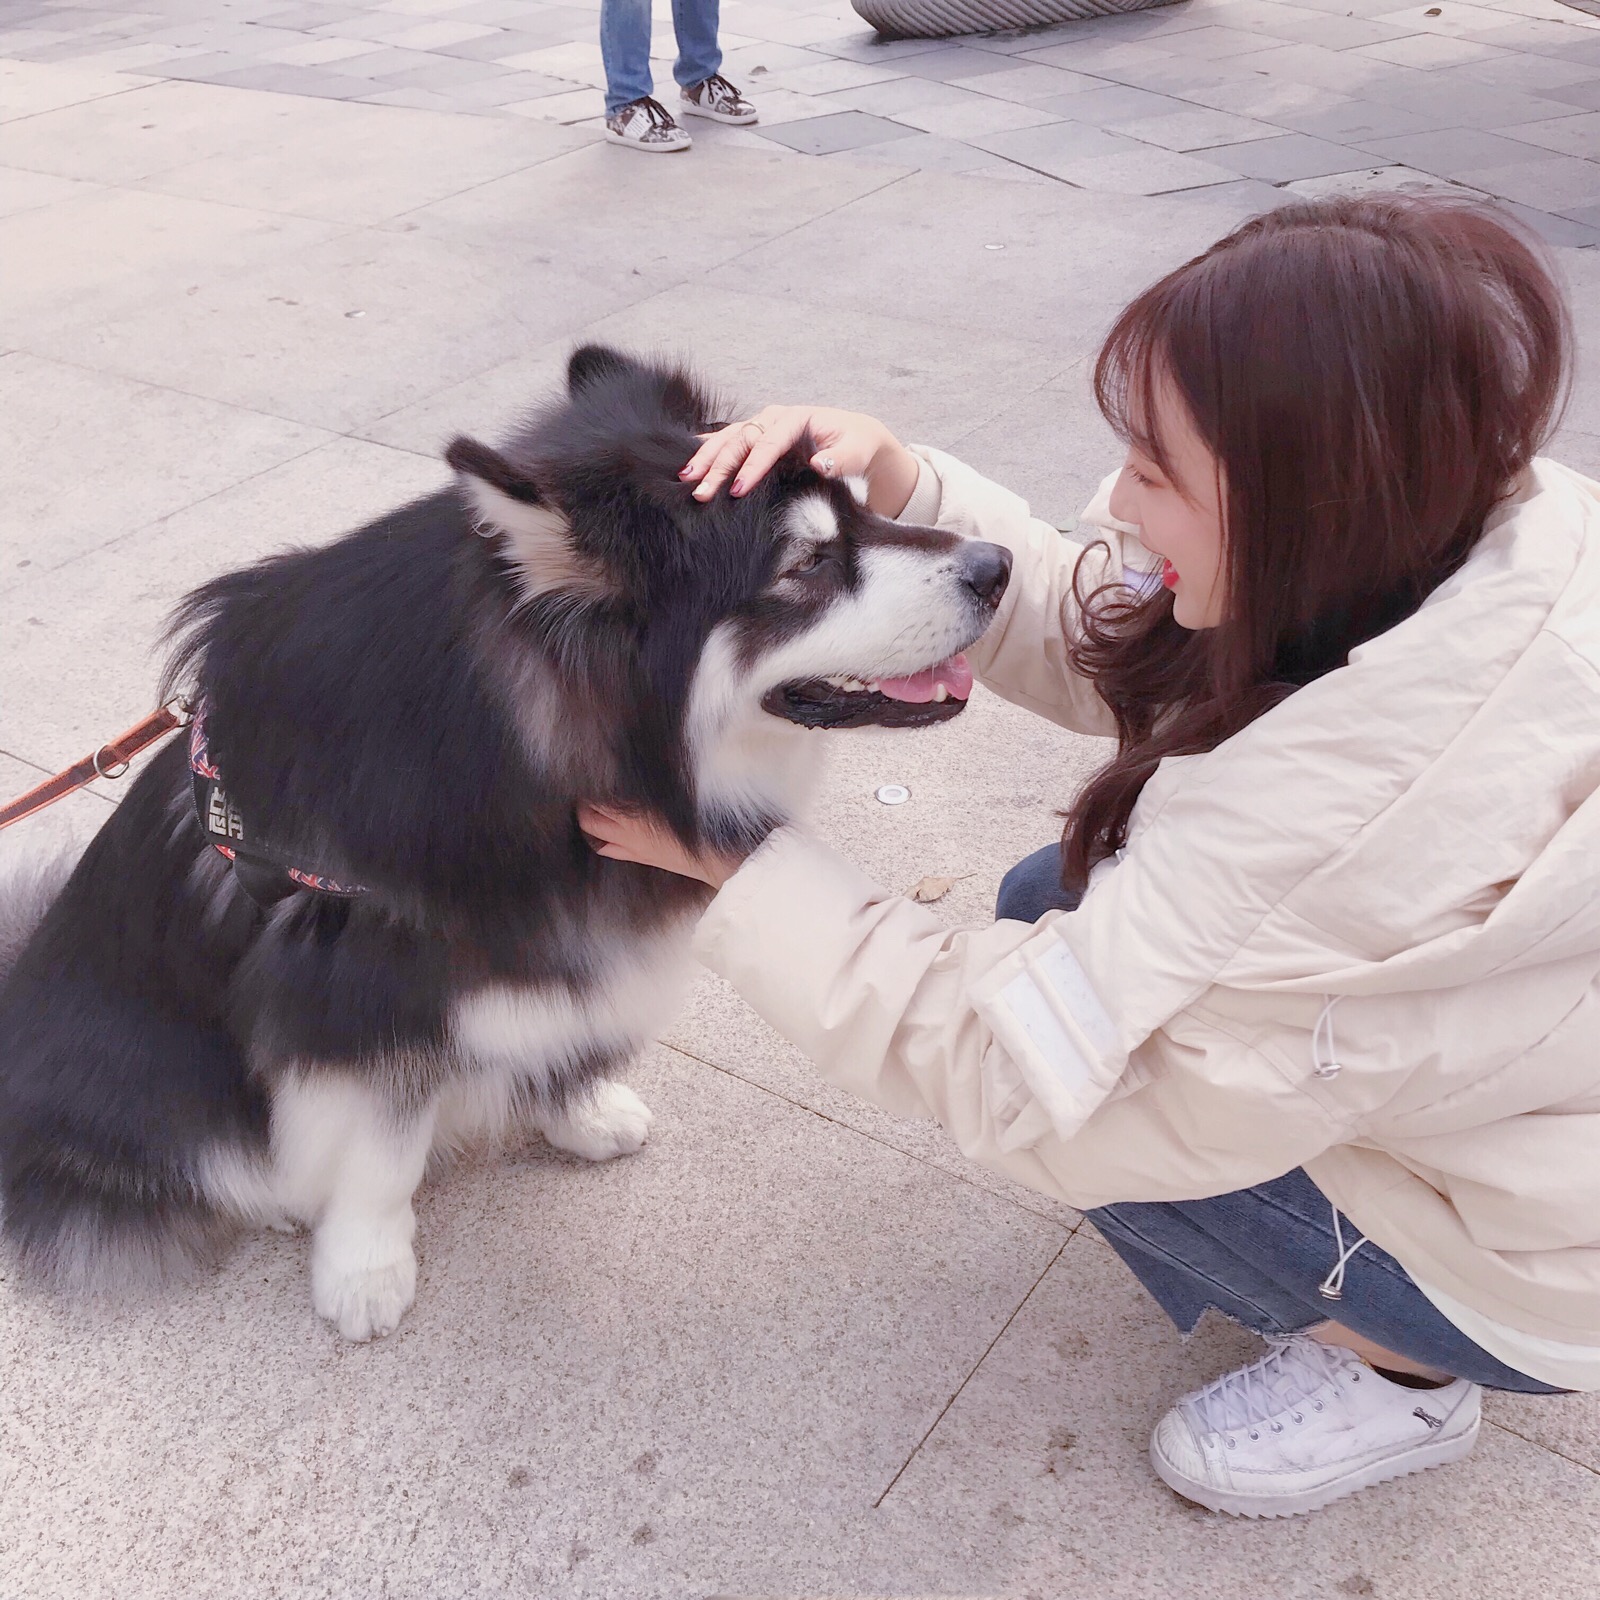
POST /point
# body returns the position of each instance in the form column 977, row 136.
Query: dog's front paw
column 365, row 1300
column 610, row 1120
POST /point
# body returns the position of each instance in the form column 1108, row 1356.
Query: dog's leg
column 607, row 1119
column 349, row 1162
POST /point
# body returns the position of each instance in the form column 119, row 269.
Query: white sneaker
column 1303, row 1426
column 646, row 125
column 717, row 99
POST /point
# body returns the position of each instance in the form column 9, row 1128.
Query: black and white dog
column 350, row 921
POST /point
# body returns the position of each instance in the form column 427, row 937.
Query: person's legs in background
column 625, row 50
column 704, row 91
column 633, row 117
column 699, row 55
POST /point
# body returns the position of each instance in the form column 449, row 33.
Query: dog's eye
column 807, row 562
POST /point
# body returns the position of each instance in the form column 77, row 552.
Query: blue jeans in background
column 1260, row 1255
column 625, row 47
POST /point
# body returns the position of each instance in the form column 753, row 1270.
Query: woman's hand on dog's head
column 637, row 836
column 848, row 444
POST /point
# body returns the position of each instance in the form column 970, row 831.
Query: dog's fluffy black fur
column 417, row 708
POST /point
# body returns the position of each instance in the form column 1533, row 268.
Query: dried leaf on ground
column 931, row 889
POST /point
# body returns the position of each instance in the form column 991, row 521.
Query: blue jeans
column 625, row 47
column 1259, row 1255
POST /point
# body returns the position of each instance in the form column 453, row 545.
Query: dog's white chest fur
column 511, row 1038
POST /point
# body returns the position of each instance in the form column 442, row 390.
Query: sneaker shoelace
column 717, row 91
column 1283, row 1380
column 661, row 120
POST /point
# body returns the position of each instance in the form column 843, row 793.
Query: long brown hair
column 1371, row 375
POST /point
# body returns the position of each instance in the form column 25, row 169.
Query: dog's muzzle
column 935, row 694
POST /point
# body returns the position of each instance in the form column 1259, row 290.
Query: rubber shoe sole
column 688, row 108
column 1235, row 1504
column 650, row 149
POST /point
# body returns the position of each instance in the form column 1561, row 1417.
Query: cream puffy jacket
column 1361, row 936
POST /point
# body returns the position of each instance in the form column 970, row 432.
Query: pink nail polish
column 737, row 490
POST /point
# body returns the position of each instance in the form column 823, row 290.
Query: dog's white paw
column 610, row 1120
column 364, row 1300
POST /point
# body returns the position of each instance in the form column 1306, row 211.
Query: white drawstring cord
column 1331, row 1067
column 1332, row 1287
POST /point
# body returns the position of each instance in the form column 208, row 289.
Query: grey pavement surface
column 1271, row 97
column 794, row 1347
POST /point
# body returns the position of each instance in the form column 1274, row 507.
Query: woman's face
column 1179, row 514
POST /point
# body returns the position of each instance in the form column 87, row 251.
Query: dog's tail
column 78, row 1210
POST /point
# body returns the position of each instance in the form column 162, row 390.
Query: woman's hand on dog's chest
column 637, row 836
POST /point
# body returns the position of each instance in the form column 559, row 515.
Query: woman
column 1304, row 1010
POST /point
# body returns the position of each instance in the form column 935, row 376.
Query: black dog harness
column 261, row 871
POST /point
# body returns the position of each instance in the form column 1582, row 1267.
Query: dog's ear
column 506, row 504
column 589, row 363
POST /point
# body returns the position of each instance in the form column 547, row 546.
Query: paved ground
column 1498, row 95
column 794, row 1347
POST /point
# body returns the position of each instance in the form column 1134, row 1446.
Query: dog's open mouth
column 935, row 694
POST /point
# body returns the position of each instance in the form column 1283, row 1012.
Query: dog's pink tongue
column 954, row 674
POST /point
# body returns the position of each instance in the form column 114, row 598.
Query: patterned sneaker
column 646, row 125
column 1303, row 1426
column 718, row 99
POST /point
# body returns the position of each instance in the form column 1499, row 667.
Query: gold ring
column 758, row 426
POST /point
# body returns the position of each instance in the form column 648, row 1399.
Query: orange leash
column 109, row 761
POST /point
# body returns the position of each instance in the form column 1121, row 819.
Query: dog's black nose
column 986, row 569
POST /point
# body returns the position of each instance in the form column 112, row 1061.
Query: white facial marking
column 743, row 759
column 811, row 520
column 909, row 610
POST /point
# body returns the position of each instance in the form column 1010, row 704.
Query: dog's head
column 792, row 606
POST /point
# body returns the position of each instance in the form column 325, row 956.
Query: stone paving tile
column 1289, row 156
column 889, row 99
column 981, row 117
column 1430, row 50
column 953, row 63
column 824, row 77
column 1059, row 145
column 1195, row 129
column 1453, row 152
column 1351, row 121
column 1572, row 136
column 1031, row 81
column 1580, row 96
column 1559, row 183
column 1115, row 103
column 843, row 130
column 575, row 105
column 1144, row 172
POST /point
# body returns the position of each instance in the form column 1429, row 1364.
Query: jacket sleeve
column 1023, row 656
column 997, row 1033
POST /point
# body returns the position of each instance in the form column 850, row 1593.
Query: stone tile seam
column 945, row 1411
column 846, row 1127
column 110, row 94
column 1011, row 401
column 1549, row 1449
